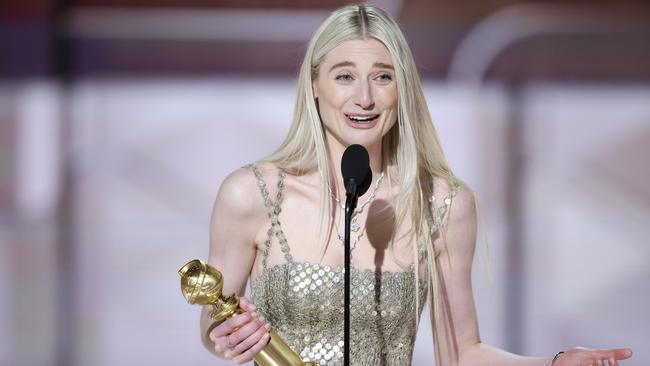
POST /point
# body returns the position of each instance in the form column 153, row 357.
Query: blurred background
column 120, row 118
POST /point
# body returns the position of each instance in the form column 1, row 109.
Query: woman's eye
column 344, row 77
column 385, row 77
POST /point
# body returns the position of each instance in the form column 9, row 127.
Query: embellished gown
column 304, row 303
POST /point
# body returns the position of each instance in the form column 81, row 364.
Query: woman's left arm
column 458, row 331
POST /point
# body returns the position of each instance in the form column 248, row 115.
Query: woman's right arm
column 237, row 216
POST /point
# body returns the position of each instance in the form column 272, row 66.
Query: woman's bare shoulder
column 238, row 194
column 457, row 195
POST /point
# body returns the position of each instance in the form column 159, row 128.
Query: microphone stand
column 350, row 206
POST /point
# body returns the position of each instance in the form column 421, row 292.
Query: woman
column 278, row 222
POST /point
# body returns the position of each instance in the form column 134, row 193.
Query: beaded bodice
column 304, row 303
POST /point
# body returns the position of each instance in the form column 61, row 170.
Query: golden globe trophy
column 202, row 284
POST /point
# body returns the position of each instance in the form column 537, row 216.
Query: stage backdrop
column 148, row 156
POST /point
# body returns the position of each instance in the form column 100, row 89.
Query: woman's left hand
column 580, row 356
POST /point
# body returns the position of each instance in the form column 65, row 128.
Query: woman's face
column 357, row 93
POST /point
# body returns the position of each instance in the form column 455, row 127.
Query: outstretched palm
column 580, row 356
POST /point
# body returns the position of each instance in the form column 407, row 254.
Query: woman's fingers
column 242, row 336
column 251, row 352
column 613, row 354
column 244, row 332
column 230, row 324
column 581, row 356
column 621, row 353
column 246, row 304
column 251, row 340
column 599, row 357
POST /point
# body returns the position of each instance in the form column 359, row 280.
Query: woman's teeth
column 363, row 118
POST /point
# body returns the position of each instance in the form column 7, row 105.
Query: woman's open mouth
column 362, row 120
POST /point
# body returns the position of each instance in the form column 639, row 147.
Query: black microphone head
column 355, row 164
column 365, row 184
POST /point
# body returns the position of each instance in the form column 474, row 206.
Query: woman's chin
column 364, row 137
column 363, row 140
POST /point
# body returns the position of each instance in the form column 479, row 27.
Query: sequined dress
column 304, row 303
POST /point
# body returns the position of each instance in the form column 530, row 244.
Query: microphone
column 357, row 177
column 355, row 168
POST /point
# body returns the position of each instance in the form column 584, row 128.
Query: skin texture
column 362, row 84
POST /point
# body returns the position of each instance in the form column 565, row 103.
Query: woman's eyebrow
column 342, row 64
column 380, row 65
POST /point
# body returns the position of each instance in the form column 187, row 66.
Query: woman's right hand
column 242, row 336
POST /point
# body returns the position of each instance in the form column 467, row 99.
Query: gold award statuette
column 202, row 284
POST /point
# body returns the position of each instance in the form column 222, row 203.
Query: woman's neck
column 336, row 150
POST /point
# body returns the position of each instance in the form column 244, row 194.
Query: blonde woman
column 278, row 223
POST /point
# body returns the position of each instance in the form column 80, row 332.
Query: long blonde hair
column 412, row 154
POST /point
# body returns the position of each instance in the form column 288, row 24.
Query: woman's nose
column 363, row 96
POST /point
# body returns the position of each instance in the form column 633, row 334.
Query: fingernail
column 254, row 314
column 628, row 353
column 267, row 326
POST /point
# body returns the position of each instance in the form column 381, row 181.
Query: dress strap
column 273, row 210
column 437, row 215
